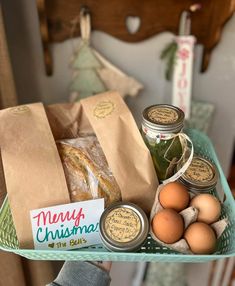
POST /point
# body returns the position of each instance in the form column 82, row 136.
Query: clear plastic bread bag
column 86, row 170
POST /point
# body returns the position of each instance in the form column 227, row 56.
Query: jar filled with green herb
column 160, row 126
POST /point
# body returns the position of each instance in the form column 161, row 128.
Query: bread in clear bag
column 86, row 169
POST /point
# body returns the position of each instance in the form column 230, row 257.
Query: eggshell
column 208, row 206
column 168, row 225
column 175, row 196
column 200, row 238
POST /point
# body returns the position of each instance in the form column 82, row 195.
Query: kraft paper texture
column 109, row 118
column 33, row 171
column 124, row 148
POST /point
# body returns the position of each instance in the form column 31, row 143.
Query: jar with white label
column 201, row 176
column 160, row 126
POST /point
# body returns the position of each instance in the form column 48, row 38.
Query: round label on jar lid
column 201, row 175
column 163, row 115
column 122, row 224
column 123, row 227
column 163, row 118
column 199, row 171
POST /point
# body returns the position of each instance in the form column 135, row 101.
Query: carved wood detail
column 57, row 19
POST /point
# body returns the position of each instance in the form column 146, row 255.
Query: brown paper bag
column 124, row 148
column 33, row 170
column 110, row 119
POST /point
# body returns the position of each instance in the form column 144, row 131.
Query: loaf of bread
column 86, row 170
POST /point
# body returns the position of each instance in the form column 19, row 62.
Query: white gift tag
column 67, row 226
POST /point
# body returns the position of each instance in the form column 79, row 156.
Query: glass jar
column 123, row 227
column 161, row 122
column 200, row 177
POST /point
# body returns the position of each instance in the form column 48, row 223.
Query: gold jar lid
column 163, row 118
column 123, row 227
column 201, row 175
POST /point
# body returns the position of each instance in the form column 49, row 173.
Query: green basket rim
column 136, row 256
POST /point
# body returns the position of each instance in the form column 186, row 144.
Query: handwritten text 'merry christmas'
column 67, row 225
column 48, row 217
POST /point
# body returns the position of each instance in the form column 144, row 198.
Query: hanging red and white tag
column 182, row 78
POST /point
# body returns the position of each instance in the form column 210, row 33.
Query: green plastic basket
column 150, row 251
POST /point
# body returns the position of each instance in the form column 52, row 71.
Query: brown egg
column 168, row 225
column 200, row 238
column 175, row 196
column 208, row 206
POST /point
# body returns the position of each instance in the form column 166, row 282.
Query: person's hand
column 105, row 265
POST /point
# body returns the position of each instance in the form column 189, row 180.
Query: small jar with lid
column 123, row 227
column 160, row 122
column 201, row 176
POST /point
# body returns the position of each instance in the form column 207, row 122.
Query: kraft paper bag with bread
column 41, row 152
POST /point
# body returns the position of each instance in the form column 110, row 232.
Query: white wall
column 141, row 60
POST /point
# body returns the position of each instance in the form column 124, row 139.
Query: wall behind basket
column 141, row 60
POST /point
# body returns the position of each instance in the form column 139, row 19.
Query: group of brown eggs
column 168, row 224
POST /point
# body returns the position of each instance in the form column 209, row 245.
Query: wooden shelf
column 57, row 19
